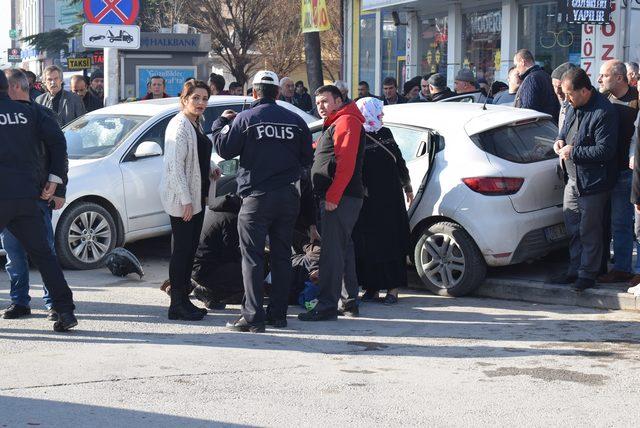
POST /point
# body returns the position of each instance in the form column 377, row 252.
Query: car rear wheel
column 448, row 261
column 86, row 233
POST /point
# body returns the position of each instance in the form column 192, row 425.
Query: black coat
column 536, row 92
column 91, row 102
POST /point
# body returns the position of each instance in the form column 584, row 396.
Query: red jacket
column 337, row 164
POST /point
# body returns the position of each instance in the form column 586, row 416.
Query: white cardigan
column 181, row 182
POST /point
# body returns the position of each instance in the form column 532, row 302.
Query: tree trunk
column 314, row 60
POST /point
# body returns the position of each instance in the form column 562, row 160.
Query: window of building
column 543, row 32
column 367, row 57
column 432, row 46
column 394, row 46
column 481, row 32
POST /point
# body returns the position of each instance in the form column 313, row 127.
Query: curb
column 602, row 297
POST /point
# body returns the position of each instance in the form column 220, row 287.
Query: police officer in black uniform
column 23, row 128
column 274, row 145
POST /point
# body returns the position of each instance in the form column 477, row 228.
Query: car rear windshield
column 521, row 143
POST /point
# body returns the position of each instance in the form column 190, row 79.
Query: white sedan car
column 490, row 192
column 115, row 164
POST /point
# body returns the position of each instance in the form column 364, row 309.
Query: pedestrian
column 33, row 91
column 274, row 144
column 336, row 176
column 615, row 87
column 466, row 83
column 17, row 266
column 536, row 90
column 344, row 89
column 216, row 84
column 235, row 88
column 156, row 87
column 301, row 98
column 508, row 97
column 184, row 187
column 80, row 88
column 96, row 86
column 556, row 81
column 287, row 90
column 363, row 90
column 411, row 89
column 587, row 147
column 23, row 130
column 633, row 73
column 438, row 88
column 390, row 89
column 381, row 235
column 424, row 95
column 66, row 106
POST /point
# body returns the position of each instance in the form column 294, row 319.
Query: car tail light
column 494, row 186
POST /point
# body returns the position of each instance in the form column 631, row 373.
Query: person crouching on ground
column 183, row 190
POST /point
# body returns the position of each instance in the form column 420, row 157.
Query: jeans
column 17, row 266
column 622, row 217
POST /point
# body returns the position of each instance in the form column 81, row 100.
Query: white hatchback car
column 115, row 164
column 490, row 192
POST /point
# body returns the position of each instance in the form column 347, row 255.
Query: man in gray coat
column 66, row 106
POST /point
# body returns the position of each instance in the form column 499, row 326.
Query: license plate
column 555, row 233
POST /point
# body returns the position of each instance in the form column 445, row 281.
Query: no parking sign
column 114, row 12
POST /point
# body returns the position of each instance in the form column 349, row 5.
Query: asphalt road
column 428, row 361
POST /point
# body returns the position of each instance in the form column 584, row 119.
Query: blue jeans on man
column 17, row 266
column 622, row 219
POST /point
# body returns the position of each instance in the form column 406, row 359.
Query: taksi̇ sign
column 314, row 16
column 116, row 12
column 78, row 63
column 14, row 55
column 587, row 11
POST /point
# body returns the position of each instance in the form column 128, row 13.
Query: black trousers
column 186, row 236
column 23, row 218
column 271, row 213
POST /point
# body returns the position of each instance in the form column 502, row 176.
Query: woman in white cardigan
column 183, row 190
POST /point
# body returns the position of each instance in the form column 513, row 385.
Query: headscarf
column 371, row 109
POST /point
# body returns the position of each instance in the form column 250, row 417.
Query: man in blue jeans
column 614, row 85
column 17, row 266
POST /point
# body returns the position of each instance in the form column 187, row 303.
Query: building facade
column 428, row 36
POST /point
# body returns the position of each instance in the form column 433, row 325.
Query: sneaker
column 242, row 325
column 634, row 281
column 582, row 284
column 634, row 290
column 615, row 276
column 52, row 315
column 350, row 311
column 16, row 311
column 561, row 279
column 315, row 315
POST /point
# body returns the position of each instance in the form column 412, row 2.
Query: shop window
column 367, row 58
column 481, row 32
column 544, row 33
column 432, row 46
column 394, row 46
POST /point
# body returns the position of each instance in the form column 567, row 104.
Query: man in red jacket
column 336, row 175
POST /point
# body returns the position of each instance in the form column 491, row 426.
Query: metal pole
column 111, row 76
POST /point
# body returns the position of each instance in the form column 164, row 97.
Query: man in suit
column 66, row 106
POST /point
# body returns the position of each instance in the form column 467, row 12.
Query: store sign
column 601, row 43
column 14, row 55
column 587, row 11
column 98, row 57
column 314, row 16
column 483, row 23
column 78, row 63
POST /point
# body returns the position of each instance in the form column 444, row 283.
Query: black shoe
column 66, row 321
column 561, row 279
column 189, row 304
column 16, row 311
column 582, row 284
column 243, row 325
column 52, row 315
column 277, row 323
column 390, row 299
column 314, row 315
column 350, row 311
column 370, row 296
column 185, row 313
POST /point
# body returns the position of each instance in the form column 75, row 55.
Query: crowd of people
column 332, row 211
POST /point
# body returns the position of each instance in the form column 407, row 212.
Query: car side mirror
column 229, row 167
column 147, row 149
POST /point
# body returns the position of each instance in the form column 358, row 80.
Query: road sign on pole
column 111, row 36
column 14, row 55
column 115, row 12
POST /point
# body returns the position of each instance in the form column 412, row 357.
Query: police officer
column 274, row 145
column 22, row 129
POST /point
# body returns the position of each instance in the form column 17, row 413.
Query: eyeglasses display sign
column 596, row 12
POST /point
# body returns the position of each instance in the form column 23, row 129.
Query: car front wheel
column 448, row 261
column 86, row 233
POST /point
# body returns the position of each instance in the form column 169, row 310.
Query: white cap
column 266, row 77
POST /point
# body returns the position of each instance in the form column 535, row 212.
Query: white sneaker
column 634, row 290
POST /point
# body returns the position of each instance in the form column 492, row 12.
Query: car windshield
column 95, row 136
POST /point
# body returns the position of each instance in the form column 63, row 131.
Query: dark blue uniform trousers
column 23, row 218
column 272, row 213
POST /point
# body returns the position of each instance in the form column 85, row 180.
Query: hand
column 58, row 202
column 229, row 114
column 565, row 152
column 558, row 145
column 216, row 173
column 631, row 162
column 313, row 234
column 409, row 196
column 330, row 206
column 638, row 208
column 48, row 191
column 188, row 212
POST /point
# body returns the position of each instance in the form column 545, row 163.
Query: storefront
column 482, row 35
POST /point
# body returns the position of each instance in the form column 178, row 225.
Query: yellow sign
column 314, row 16
column 78, row 63
column 496, row 60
